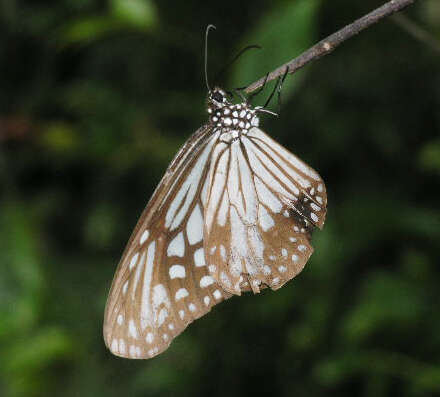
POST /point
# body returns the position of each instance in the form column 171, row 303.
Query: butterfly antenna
column 240, row 53
column 208, row 28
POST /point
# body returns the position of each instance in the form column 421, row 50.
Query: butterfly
column 233, row 213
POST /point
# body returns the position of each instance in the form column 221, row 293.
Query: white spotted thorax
column 233, row 213
column 232, row 120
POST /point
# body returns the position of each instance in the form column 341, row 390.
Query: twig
column 327, row 45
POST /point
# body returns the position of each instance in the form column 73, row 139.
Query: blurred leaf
column 429, row 156
column 123, row 14
column 101, row 226
column 284, row 33
column 59, row 137
column 38, row 350
column 385, row 302
column 22, row 277
column 160, row 377
column 137, row 13
column 420, row 375
column 30, row 356
column 88, row 29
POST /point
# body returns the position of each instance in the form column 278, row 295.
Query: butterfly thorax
column 231, row 119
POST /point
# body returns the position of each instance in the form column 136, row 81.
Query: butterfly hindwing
column 263, row 204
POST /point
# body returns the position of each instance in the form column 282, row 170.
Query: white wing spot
column 319, row 199
column 121, row 346
column 314, row 207
column 137, row 274
column 320, row 188
column 276, row 280
column 150, row 337
column 314, row 217
column 284, row 252
column 266, row 221
column 120, row 319
column 286, row 213
column 295, row 258
column 205, row 281
column 194, row 227
column 163, row 314
column 177, row 271
column 144, row 237
column 124, row 288
column 181, row 314
column 177, row 246
column 212, row 250
column 199, row 258
column 132, row 331
column 266, row 270
column 181, row 293
column 115, row 345
column 165, row 337
column 223, row 252
column 212, row 268
column 146, row 315
column 133, row 261
column 217, row 294
column 292, row 239
column 282, row 269
column 160, row 295
column 187, row 191
column 206, row 299
column 170, row 326
column 192, row 307
column 225, row 279
column 132, row 350
column 296, row 229
column 302, row 248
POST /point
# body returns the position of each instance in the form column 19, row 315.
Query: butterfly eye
column 218, row 97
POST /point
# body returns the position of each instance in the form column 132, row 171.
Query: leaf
column 22, row 278
column 429, row 156
column 137, row 13
column 123, row 15
column 287, row 31
column 385, row 302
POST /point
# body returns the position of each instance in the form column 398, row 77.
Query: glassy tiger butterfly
column 233, row 213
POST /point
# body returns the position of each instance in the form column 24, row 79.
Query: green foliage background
column 95, row 99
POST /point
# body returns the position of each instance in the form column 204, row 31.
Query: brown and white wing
column 162, row 283
column 263, row 203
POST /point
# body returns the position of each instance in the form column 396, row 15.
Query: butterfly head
column 217, row 99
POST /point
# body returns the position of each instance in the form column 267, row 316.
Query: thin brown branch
column 327, row 45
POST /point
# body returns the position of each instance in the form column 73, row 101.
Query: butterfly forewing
column 162, row 283
column 263, row 203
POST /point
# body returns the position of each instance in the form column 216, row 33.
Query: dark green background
column 95, row 99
